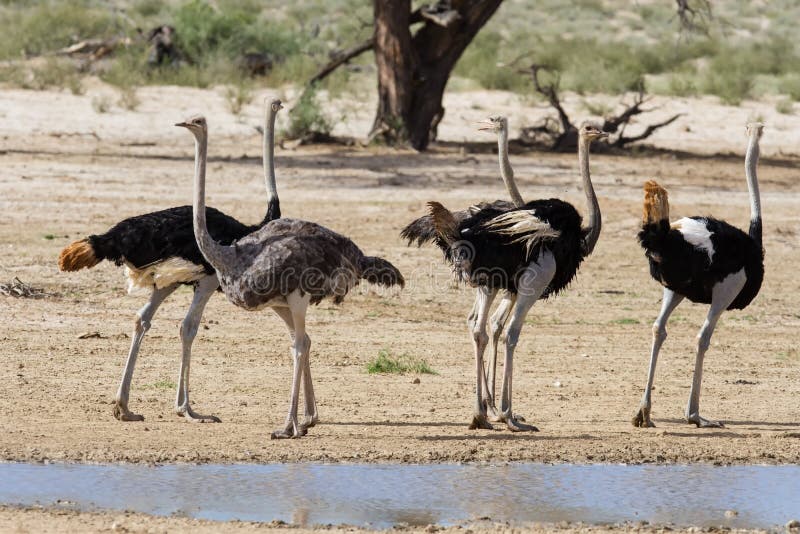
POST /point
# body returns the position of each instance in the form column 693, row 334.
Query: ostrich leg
column 202, row 293
column 532, row 285
column 721, row 297
column 480, row 339
column 669, row 302
column 298, row 305
column 496, row 325
column 312, row 416
column 142, row 325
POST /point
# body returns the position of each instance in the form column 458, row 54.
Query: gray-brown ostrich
column 704, row 260
column 285, row 265
column 532, row 252
column 160, row 254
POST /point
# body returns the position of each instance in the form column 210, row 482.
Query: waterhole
column 381, row 496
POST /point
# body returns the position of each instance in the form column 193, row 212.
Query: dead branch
column 19, row 289
column 550, row 92
column 694, row 15
column 94, row 49
column 621, row 141
column 563, row 134
column 340, row 59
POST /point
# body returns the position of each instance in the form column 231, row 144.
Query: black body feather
column 146, row 239
column 686, row 270
column 488, row 258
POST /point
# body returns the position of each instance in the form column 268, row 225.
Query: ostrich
column 531, row 251
column 160, row 253
column 705, row 260
column 422, row 230
column 285, row 265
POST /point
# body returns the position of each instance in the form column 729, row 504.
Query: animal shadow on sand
column 507, row 436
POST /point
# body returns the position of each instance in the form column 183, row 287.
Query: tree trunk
column 413, row 70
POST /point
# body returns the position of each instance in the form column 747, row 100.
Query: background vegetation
column 598, row 46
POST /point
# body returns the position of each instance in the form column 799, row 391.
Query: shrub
column 386, row 363
column 307, row 118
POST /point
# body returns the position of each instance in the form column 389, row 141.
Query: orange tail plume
column 656, row 203
column 77, row 255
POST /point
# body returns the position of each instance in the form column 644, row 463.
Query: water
column 380, row 496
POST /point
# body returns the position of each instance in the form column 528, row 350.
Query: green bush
column 49, row 25
column 204, row 32
column 307, row 118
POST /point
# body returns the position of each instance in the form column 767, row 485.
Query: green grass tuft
column 161, row 384
column 625, row 320
column 386, row 363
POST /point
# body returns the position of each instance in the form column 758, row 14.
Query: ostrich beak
column 485, row 126
column 182, row 124
column 604, row 135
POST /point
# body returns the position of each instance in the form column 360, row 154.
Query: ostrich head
column 591, row 131
column 755, row 129
column 275, row 105
column 195, row 124
column 494, row 124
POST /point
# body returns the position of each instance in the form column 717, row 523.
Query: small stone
column 431, row 528
column 415, row 381
column 146, row 429
column 556, row 384
column 731, row 513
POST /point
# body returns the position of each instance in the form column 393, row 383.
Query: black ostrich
column 705, row 260
column 160, row 253
column 531, row 251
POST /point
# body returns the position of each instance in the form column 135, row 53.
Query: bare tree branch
column 694, row 15
column 340, row 59
column 622, row 140
column 563, row 133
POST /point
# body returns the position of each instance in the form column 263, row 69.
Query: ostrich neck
column 750, row 164
column 595, row 220
column 505, row 169
column 269, row 155
column 213, row 251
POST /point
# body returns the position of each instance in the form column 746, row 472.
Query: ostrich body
column 160, row 254
column 422, row 231
column 530, row 251
column 285, row 265
column 704, row 260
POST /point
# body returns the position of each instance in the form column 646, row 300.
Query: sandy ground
column 42, row 521
column 580, row 366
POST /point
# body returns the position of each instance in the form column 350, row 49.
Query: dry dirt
column 580, row 366
column 57, row 521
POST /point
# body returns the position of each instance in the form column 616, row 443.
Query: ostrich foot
column 494, row 414
column 702, row 422
column 122, row 412
column 311, row 420
column 290, row 430
column 187, row 413
column 642, row 419
column 516, row 425
column 480, row 421
column 497, row 417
